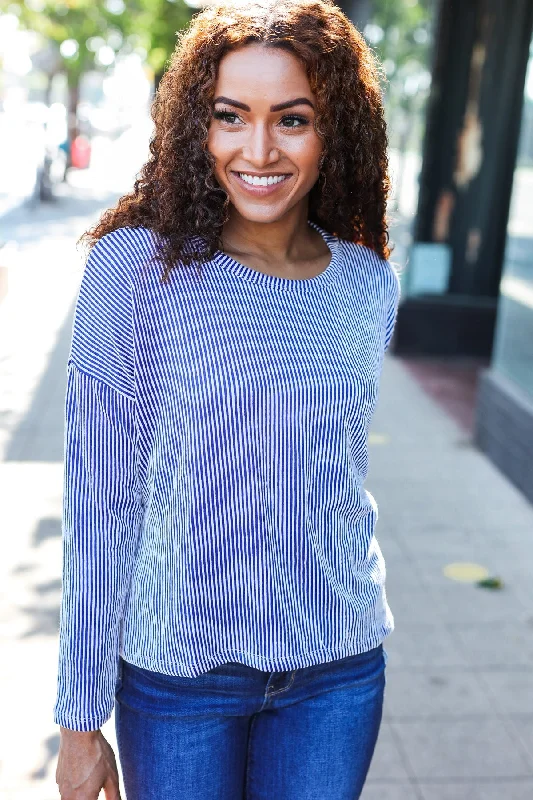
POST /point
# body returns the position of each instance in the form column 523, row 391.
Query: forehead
column 254, row 73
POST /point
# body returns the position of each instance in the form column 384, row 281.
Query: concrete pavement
column 459, row 700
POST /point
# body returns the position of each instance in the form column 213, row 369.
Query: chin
column 256, row 214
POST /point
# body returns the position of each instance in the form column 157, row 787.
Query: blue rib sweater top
column 215, row 456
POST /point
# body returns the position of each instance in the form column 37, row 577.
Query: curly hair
column 176, row 193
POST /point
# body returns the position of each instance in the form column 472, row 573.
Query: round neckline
column 277, row 282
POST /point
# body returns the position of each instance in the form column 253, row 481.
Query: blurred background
column 452, row 440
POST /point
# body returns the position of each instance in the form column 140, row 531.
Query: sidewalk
column 458, row 718
column 459, row 701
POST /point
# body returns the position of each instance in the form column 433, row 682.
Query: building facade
column 468, row 284
column 504, row 421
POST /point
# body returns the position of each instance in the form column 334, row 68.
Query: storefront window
column 513, row 349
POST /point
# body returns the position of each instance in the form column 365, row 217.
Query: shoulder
column 121, row 251
column 365, row 261
column 102, row 343
column 109, row 275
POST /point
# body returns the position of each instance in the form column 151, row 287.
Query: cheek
column 215, row 145
column 309, row 154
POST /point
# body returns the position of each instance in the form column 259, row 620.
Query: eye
column 288, row 121
column 294, row 118
column 226, row 116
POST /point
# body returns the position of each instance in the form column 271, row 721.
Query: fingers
column 86, row 765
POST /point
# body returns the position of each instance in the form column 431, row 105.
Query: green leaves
column 150, row 24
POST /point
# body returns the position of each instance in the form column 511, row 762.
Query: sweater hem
column 273, row 663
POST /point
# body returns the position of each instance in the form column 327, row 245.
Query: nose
column 260, row 148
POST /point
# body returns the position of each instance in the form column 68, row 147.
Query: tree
column 156, row 23
column 88, row 34
column 401, row 33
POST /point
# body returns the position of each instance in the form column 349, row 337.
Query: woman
column 221, row 575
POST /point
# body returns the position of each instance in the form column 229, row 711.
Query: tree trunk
column 73, row 99
column 48, row 90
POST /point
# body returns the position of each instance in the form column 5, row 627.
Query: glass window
column 513, row 347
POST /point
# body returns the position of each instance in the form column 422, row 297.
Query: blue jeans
column 238, row 733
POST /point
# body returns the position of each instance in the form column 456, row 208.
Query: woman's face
column 252, row 137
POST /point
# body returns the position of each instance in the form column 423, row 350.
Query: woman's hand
column 86, row 764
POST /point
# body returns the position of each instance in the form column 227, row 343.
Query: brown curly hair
column 176, row 193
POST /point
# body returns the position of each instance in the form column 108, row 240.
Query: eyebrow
column 278, row 107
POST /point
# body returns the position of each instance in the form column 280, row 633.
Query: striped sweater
column 215, row 455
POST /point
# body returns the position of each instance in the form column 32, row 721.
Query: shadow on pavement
column 25, row 223
column 39, row 434
column 51, row 746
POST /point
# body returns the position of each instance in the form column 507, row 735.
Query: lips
column 257, row 189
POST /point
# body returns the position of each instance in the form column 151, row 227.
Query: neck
column 280, row 240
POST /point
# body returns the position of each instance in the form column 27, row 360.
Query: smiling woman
column 332, row 144
column 222, row 581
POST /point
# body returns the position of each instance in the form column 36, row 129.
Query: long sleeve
column 392, row 310
column 102, row 511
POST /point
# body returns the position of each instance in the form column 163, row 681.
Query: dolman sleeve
column 394, row 288
column 102, row 509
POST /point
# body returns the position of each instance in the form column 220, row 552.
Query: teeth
column 254, row 180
